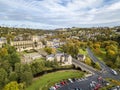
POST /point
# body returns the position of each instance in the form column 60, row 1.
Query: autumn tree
column 111, row 54
column 97, row 66
column 88, row 61
column 50, row 50
column 71, row 48
column 97, row 45
column 12, row 86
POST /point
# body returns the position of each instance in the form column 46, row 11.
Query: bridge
column 84, row 67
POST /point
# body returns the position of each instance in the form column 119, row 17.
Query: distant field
column 47, row 80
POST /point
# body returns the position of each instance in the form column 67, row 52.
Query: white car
column 70, row 80
column 114, row 72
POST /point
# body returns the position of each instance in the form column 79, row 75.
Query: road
column 85, row 84
column 95, row 59
column 108, row 73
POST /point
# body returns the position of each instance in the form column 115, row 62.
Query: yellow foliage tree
column 97, row 45
column 88, row 61
column 111, row 52
column 12, row 86
column 97, row 65
column 3, row 52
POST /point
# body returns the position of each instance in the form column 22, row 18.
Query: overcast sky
column 49, row 14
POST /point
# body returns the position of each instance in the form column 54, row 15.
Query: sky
column 51, row 14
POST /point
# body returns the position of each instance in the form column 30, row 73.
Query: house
column 62, row 58
column 58, row 56
column 81, row 57
column 66, row 59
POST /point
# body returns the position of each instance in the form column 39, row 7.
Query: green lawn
column 82, row 51
column 47, row 80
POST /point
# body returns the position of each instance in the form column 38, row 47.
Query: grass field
column 47, row 80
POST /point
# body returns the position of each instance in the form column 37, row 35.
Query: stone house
column 63, row 59
column 81, row 57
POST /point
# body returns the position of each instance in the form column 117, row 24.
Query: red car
column 62, row 83
column 97, row 87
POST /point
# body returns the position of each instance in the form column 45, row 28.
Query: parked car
column 70, row 80
column 62, row 83
column 57, row 85
column 52, row 88
column 97, row 87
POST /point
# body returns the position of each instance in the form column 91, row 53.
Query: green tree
column 13, row 76
column 27, row 77
column 24, row 73
column 14, row 58
column 3, row 77
column 37, row 67
column 11, row 49
column 6, row 65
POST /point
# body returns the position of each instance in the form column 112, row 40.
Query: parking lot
column 89, row 83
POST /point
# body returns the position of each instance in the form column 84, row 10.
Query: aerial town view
column 59, row 44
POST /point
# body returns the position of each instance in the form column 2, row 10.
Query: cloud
column 59, row 13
